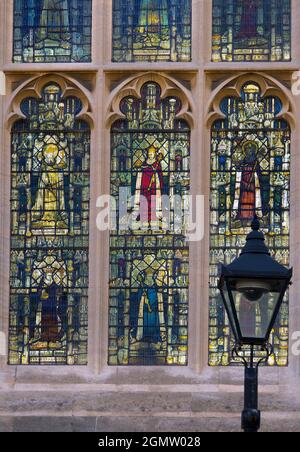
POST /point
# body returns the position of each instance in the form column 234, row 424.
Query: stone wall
column 151, row 401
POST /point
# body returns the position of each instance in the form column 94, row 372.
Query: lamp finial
column 255, row 225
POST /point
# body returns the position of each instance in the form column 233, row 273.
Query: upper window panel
column 251, row 30
column 52, row 31
column 152, row 30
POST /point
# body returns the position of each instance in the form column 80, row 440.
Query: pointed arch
column 33, row 86
column 269, row 86
column 169, row 87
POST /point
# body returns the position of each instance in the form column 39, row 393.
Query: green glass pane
column 152, row 30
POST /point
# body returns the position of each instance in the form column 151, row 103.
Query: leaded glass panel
column 49, row 232
column 151, row 30
column 251, row 30
column 52, row 31
column 149, row 259
column 250, row 173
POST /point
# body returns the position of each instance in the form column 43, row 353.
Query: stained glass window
column 49, row 232
column 250, row 173
column 251, row 30
column 151, row 30
column 148, row 314
column 52, row 31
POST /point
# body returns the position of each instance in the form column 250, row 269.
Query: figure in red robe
column 149, row 187
column 248, row 180
column 248, row 27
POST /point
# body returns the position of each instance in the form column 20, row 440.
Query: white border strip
column 2, row 84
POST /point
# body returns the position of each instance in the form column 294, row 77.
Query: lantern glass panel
column 255, row 303
column 229, row 311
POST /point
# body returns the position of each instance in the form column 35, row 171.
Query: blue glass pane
column 52, row 31
column 251, row 30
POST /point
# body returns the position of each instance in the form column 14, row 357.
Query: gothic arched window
column 250, row 173
column 149, row 255
column 49, row 232
column 52, row 31
column 251, row 30
column 152, row 30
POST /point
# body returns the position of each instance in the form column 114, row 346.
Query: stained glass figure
column 251, row 30
column 49, row 232
column 250, row 173
column 52, row 31
column 151, row 30
column 149, row 258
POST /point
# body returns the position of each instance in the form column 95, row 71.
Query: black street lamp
column 253, row 287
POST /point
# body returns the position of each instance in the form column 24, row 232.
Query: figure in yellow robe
column 49, row 207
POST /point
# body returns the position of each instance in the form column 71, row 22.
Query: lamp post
column 253, row 287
